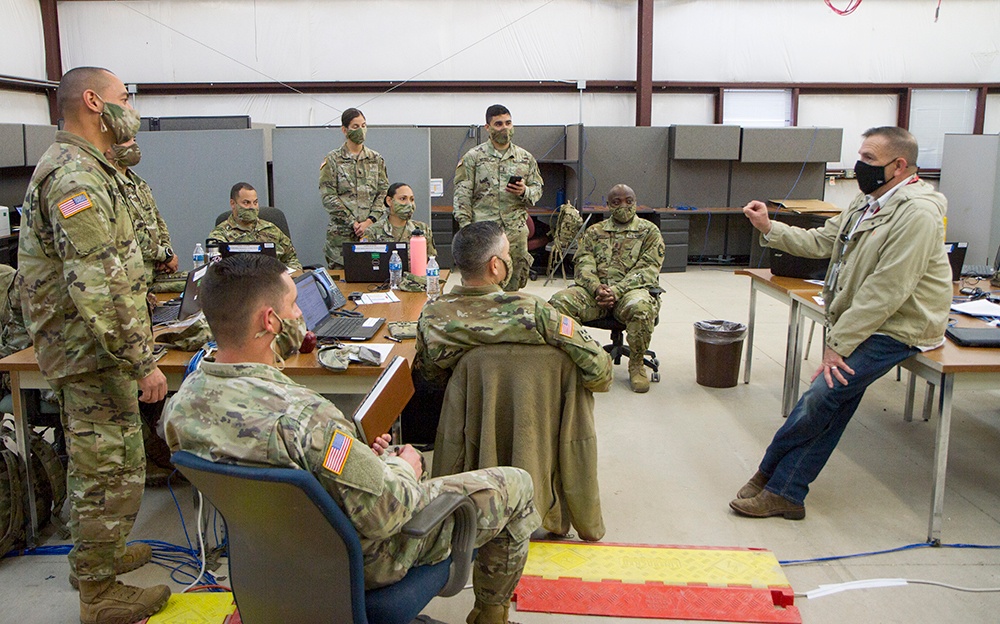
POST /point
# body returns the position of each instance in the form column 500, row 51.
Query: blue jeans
column 802, row 446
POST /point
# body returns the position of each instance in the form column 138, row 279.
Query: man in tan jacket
column 887, row 295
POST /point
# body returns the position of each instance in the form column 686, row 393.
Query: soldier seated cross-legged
column 241, row 408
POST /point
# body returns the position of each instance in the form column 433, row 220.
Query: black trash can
column 718, row 346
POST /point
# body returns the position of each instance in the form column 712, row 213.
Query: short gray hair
column 474, row 245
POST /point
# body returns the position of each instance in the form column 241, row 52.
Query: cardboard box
column 804, row 206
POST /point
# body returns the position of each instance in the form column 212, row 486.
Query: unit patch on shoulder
column 566, row 326
column 75, row 204
column 337, row 452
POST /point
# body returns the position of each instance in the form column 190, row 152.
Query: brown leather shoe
column 754, row 485
column 136, row 556
column 767, row 504
column 112, row 602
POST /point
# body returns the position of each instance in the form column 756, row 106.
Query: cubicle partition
column 298, row 153
column 191, row 173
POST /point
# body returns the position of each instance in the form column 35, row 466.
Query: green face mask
column 247, row 215
column 623, row 212
column 357, row 135
column 127, row 156
column 503, row 136
column 123, row 122
column 403, row 211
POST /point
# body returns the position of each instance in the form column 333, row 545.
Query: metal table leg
column 750, row 324
column 941, row 459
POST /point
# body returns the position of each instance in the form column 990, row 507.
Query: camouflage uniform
column 84, row 293
column 252, row 414
column 468, row 317
column 150, row 229
column 383, row 232
column 627, row 257
column 353, row 189
column 480, row 195
column 231, row 231
column 13, row 335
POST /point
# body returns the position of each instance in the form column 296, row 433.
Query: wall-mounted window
column 757, row 108
column 936, row 112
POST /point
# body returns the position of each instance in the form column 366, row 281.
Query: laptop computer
column 974, row 336
column 369, row 262
column 266, row 248
column 317, row 304
column 983, row 270
column 189, row 304
column 956, row 257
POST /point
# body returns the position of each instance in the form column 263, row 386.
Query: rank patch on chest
column 337, row 452
column 566, row 326
column 75, row 204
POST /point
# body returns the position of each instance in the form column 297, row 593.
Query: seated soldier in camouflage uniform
column 241, row 409
column 245, row 226
column 397, row 224
column 479, row 312
column 617, row 262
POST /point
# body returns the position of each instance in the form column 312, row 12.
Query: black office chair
column 274, row 215
column 618, row 348
column 295, row 557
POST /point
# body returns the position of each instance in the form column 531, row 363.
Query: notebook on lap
column 369, row 262
column 188, row 306
column 317, row 303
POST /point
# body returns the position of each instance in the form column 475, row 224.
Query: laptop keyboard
column 339, row 326
column 165, row 314
column 978, row 270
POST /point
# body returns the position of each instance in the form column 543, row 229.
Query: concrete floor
column 671, row 460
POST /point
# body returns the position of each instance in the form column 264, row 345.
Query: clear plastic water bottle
column 198, row 256
column 395, row 270
column 433, row 285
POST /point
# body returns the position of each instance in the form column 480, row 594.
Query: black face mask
column 870, row 177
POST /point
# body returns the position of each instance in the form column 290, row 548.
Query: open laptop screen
column 310, row 301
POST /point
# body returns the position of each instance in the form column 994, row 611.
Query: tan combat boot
column 136, row 556
column 488, row 614
column 637, row 376
column 112, row 602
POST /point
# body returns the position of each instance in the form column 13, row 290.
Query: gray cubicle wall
column 298, row 153
column 638, row 157
column 191, row 173
column 970, row 179
column 448, row 145
column 779, row 163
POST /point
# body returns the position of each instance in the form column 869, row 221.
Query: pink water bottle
column 418, row 253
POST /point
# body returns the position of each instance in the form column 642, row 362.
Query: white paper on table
column 384, row 297
column 819, row 299
column 383, row 351
column 979, row 307
column 817, row 282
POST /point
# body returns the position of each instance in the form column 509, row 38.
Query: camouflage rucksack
column 567, row 226
column 49, row 479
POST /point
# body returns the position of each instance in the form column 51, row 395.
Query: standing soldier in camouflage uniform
column 396, row 225
column 484, row 191
column 84, row 300
column 479, row 312
column 353, row 183
column 245, row 226
column 618, row 261
column 241, row 408
column 151, row 232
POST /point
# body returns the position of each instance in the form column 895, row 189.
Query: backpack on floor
column 49, row 479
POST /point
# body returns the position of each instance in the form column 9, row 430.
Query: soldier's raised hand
column 756, row 211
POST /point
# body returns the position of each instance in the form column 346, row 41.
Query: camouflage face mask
column 503, row 136
column 123, row 122
column 510, row 271
column 357, row 135
column 247, row 215
column 127, row 155
column 403, row 211
column 287, row 341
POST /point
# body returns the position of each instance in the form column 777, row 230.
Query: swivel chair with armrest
column 267, row 213
column 618, row 348
column 294, row 556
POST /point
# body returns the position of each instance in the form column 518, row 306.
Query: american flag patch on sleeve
column 566, row 326
column 74, row 204
column 337, row 452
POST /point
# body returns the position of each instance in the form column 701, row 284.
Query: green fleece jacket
column 894, row 276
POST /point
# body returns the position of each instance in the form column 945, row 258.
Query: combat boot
column 488, row 614
column 112, row 602
column 136, row 556
column 637, row 376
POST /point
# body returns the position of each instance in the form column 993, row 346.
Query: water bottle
column 395, row 270
column 418, row 252
column 433, row 285
column 198, row 256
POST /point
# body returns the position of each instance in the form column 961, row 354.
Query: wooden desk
column 950, row 368
column 305, row 369
column 782, row 289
